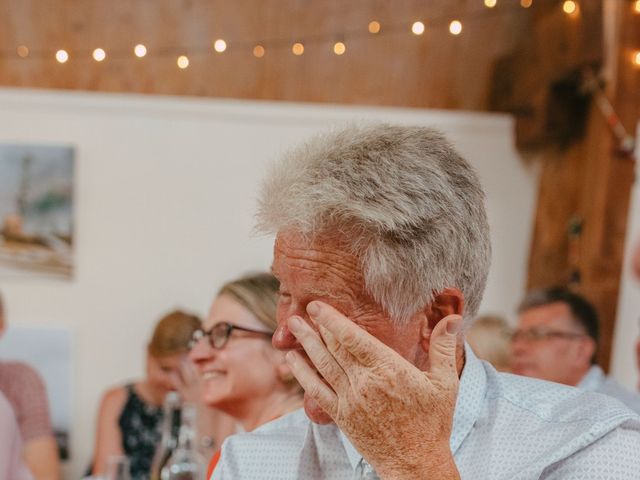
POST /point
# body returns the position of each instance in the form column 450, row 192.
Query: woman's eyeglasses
column 220, row 333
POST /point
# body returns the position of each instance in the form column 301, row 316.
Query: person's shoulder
column 290, row 425
column 533, row 404
column 113, row 398
column 20, row 371
column 553, row 402
column 614, row 389
column 268, row 451
column 21, row 377
column 538, row 424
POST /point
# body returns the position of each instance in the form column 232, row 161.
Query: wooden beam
column 589, row 184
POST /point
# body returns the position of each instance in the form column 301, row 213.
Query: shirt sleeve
column 613, row 456
column 33, row 411
column 11, row 463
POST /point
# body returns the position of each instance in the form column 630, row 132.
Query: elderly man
column 382, row 247
column 557, row 340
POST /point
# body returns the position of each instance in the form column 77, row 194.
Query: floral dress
column 140, row 427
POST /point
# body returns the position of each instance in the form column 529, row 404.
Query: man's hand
column 397, row 416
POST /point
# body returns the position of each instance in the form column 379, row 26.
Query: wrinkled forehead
column 321, row 261
column 553, row 315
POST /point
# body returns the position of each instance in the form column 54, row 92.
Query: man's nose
column 283, row 339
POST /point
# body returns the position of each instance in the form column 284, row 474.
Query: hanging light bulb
column 183, row 62
column 374, row 26
column 417, row 28
column 455, row 27
column 339, row 48
column 22, row 51
column 569, row 7
column 297, row 48
column 62, row 56
column 258, row 51
column 219, row 45
column 99, row 55
column 490, row 3
column 140, row 50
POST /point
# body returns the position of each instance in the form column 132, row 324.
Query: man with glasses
column 557, row 340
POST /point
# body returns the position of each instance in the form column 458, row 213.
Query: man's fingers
column 366, row 348
column 442, row 348
column 312, row 384
column 318, row 353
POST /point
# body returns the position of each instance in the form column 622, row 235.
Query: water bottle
column 186, row 462
column 169, row 434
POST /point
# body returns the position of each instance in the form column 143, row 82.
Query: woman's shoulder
column 18, row 369
column 114, row 398
column 20, row 376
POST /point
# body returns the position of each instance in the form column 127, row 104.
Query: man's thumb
column 442, row 347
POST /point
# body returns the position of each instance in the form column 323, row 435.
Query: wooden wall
column 435, row 70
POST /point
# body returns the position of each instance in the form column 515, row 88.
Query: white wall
column 623, row 361
column 165, row 192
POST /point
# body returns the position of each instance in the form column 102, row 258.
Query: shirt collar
column 593, row 380
column 471, row 393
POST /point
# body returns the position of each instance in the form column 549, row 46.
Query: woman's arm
column 41, row 456
column 108, row 435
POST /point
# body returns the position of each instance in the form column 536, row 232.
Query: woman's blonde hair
column 258, row 293
column 172, row 334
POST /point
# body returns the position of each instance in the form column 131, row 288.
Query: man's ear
column 449, row 301
column 588, row 349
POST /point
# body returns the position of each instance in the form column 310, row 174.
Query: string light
column 140, row 50
column 569, row 7
column 62, row 56
column 258, row 51
column 99, row 55
column 183, row 62
column 339, row 48
column 417, row 28
column 455, row 27
column 219, row 45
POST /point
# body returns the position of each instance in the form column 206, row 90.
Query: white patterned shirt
column 505, row 427
column 596, row 381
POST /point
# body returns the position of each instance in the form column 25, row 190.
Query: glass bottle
column 186, row 462
column 169, row 434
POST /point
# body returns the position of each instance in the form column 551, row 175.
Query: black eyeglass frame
column 222, row 331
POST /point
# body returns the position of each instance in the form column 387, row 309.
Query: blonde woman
column 242, row 374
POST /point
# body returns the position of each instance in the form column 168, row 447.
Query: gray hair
column 410, row 207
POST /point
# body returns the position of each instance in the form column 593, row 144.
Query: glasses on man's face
column 220, row 333
column 533, row 335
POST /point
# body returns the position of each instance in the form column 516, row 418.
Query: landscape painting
column 36, row 211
